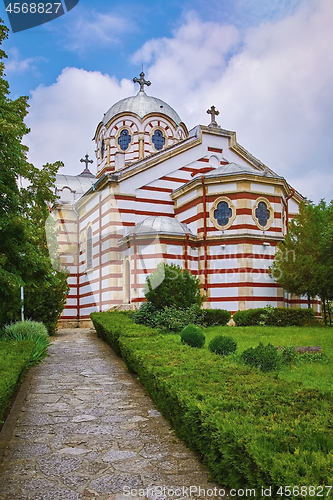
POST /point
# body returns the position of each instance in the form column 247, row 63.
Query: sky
column 266, row 65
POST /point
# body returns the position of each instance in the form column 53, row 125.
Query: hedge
column 251, row 429
column 15, row 359
column 277, row 316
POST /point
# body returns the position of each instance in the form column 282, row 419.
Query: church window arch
column 102, row 149
column 124, row 139
column 158, row 139
column 263, row 213
column 89, row 249
column 223, row 213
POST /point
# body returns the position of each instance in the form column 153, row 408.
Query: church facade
column 194, row 198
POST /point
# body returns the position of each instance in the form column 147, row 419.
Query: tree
column 170, row 286
column 24, row 259
column 303, row 263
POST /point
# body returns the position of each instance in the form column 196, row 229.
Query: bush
column 274, row 316
column 193, row 336
column 264, row 357
column 222, row 345
column 30, row 330
column 174, row 319
column 171, row 286
column 25, row 330
column 145, row 315
column 217, row 317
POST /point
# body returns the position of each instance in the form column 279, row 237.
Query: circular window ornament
column 223, row 213
column 124, row 139
column 263, row 213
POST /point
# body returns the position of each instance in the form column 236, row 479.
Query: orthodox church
column 194, row 198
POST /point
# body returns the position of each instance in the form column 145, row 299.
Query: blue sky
column 265, row 64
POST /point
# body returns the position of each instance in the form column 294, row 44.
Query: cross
column 142, row 81
column 213, row 112
column 86, row 161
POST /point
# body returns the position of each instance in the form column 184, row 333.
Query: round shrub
column 222, row 345
column 193, row 336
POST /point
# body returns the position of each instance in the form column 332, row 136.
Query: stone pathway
column 83, row 427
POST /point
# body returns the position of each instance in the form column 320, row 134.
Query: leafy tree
column 24, row 259
column 171, row 286
column 303, row 263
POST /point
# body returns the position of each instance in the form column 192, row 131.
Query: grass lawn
column 310, row 374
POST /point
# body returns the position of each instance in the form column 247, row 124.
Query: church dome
column 141, row 105
column 156, row 224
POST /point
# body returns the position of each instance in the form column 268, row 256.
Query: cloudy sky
column 267, row 65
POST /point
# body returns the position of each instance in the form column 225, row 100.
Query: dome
column 141, row 105
column 159, row 225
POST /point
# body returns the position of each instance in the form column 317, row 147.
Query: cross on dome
column 142, row 81
column 86, row 172
column 213, row 112
column 86, row 161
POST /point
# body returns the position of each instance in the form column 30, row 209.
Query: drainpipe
column 77, row 266
column 205, row 230
column 100, row 244
column 185, row 252
column 135, row 261
column 292, row 192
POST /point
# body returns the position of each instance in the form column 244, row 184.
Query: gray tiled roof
column 159, row 225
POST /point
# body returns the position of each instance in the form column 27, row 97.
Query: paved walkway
column 83, row 427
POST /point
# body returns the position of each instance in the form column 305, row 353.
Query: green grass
column 310, row 374
column 15, row 358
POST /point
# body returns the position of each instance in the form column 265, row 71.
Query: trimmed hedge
column 218, row 317
column 193, row 336
column 250, row 428
column 15, row 359
column 277, row 316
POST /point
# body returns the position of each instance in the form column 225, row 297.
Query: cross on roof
column 142, row 81
column 86, row 161
column 213, row 112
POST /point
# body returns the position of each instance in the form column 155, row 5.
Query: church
column 161, row 192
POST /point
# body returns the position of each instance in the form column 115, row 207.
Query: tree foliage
column 171, row 286
column 25, row 194
column 303, row 264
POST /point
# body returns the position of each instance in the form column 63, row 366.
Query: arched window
column 124, row 139
column 223, row 213
column 103, row 149
column 158, row 139
column 89, row 248
column 262, row 213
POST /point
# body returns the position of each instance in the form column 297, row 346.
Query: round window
column 158, row 139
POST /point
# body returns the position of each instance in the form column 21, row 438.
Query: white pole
column 22, row 303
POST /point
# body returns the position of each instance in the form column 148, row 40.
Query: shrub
column 25, row 330
column 222, row 345
column 193, row 336
column 277, row 316
column 145, row 315
column 264, row 357
column 30, row 330
column 216, row 317
column 171, row 286
column 174, row 319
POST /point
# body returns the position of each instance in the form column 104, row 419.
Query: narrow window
column 222, row 213
column 158, row 139
column 102, row 149
column 89, row 248
column 262, row 213
column 124, row 139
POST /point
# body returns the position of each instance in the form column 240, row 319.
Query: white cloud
column 272, row 84
column 16, row 64
column 88, row 29
column 63, row 117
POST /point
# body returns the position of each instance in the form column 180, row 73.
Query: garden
column 255, row 411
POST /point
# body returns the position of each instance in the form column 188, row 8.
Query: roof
column 141, row 105
column 74, row 186
column 234, row 169
column 154, row 225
